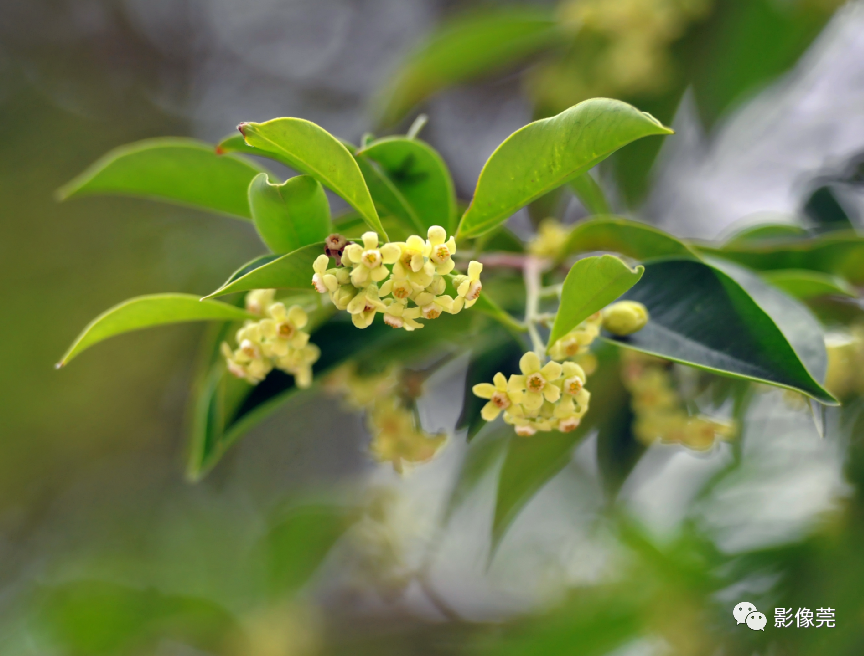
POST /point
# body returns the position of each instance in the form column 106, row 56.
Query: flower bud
column 625, row 317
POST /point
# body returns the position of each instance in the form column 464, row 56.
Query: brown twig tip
column 59, row 365
column 241, row 127
column 220, row 150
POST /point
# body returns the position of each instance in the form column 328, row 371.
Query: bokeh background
column 98, row 526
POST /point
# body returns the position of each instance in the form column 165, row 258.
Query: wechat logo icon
column 745, row 612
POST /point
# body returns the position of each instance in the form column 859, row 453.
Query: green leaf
column 310, row 149
column 592, row 284
column 420, row 175
column 146, row 311
column 387, row 197
column 805, row 285
column 183, row 171
column 766, row 232
column 840, row 254
column 295, row 546
column 490, row 308
column 290, row 215
column 826, row 210
column 291, row 271
column 590, row 194
column 631, row 238
column 550, row 152
column 702, row 317
column 465, row 48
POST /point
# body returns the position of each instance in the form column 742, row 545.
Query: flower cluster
column 577, row 342
column 541, row 398
column 275, row 341
column 659, row 410
column 396, row 438
column 404, row 281
column 550, row 239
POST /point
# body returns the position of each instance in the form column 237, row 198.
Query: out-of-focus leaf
column 297, row 544
column 631, row 238
column 765, row 233
column 592, row 284
column 590, row 194
column 290, row 215
column 841, row 254
column 502, row 240
column 804, row 284
column 745, row 45
column 312, row 150
column 420, row 175
column 465, row 48
column 146, row 311
column 826, row 211
column 497, row 352
column 291, row 271
column 101, row 618
column 550, row 152
column 183, row 171
column 702, row 317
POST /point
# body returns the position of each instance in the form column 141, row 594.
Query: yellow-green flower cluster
column 577, row 342
column 845, row 374
column 541, row 398
column 550, row 239
column 275, row 341
column 396, row 437
column 659, row 411
column 404, row 281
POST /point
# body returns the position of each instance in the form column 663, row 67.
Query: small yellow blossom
column 500, row 397
column 536, row 382
column 550, row 239
column 396, row 439
column 576, row 343
column 258, row 299
column 323, row 281
column 469, row 287
column 441, row 250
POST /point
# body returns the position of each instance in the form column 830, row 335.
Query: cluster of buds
column 275, row 341
column 404, row 281
column 541, row 398
column 396, row 437
column 659, row 410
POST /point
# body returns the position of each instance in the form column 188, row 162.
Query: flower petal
column 551, row 371
column 529, row 363
column 484, row 390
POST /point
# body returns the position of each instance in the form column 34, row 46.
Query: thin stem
column 551, row 291
column 532, row 270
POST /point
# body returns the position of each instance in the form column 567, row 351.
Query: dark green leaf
column 291, row 271
column 592, row 284
column 631, row 238
column 387, row 197
column 702, row 317
column 420, row 175
column 766, row 233
column 548, row 153
column 146, row 311
column 184, row 171
column 826, row 211
column 290, row 215
column 465, row 48
column 310, row 149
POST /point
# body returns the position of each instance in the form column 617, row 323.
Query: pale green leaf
column 805, row 284
column 290, row 271
column 290, row 215
column 625, row 236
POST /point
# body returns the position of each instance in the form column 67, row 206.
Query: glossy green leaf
column 388, row 199
column 591, row 284
column 466, row 48
column 840, row 254
column 291, row 271
column 590, row 194
column 147, row 311
column 183, row 171
column 290, row 215
column 805, row 285
column 420, row 175
column 702, row 317
column 550, row 152
column 826, row 210
column 310, row 149
column 625, row 236
column 297, row 544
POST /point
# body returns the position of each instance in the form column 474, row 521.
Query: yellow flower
column 573, row 378
column 500, row 398
column 398, row 315
column 469, row 287
column 550, row 239
column 258, row 299
column 536, row 382
column 395, row 437
column 364, row 306
column 323, row 281
column 431, row 306
column 577, row 341
column 625, row 317
column 412, row 257
column 298, row 362
column 441, row 250
column 369, row 260
column 285, row 326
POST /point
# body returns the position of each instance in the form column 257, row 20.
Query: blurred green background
column 105, row 548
